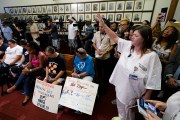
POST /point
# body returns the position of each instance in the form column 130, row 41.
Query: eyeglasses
column 122, row 24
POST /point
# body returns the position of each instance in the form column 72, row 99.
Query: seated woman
column 83, row 66
column 34, row 68
column 55, row 67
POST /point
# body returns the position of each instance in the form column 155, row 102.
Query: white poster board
column 79, row 95
column 46, row 96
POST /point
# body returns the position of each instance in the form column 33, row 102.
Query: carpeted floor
column 11, row 109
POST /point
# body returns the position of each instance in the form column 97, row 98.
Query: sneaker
column 60, row 107
column 161, row 94
column 115, row 118
column 113, row 102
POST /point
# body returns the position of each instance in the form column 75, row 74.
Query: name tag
column 133, row 77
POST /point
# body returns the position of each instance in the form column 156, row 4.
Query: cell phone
column 143, row 106
column 163, row 14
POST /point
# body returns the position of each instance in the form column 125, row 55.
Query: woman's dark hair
column 146, row 33
column 172, row 38
column 34, row 46
column 50, row 49
column 147, row 22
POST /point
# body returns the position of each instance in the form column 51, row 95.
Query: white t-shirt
column 34, row 28
column 72, row 31
column 11, row 54
column 146, row 68
column 173, row 107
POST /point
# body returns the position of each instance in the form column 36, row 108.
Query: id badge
column 133, row 77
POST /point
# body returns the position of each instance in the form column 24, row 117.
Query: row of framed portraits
column 112, row 6
column 112, row 17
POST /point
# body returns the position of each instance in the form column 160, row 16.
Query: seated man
column 83, row 65
column 12, row 56
column 55, row 68
column 172, row 72
column 3, row 47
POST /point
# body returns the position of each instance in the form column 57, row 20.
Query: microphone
column 129, row 55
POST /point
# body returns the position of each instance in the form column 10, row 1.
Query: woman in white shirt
column 138, row 71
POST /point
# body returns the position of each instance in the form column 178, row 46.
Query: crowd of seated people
column 30, row 61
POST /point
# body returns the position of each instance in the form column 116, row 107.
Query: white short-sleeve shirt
column 147, row 68
column 72, row 31
column 34, row 28
column 11, row 54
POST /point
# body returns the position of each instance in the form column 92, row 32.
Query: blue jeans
column 28, row 80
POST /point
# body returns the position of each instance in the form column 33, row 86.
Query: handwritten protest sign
column 79, row 95
column 46, row 96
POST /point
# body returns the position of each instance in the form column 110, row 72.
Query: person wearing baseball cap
column 3, row 47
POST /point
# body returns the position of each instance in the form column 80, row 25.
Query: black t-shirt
column 56, row 65
column 26, row 55
column 3, row 48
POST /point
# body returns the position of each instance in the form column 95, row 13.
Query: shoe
column 115, row 118
column 61, row 107
column 24, row 103
column 161, row 94
column 5, row 92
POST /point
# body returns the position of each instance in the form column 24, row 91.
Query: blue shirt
column 89, row 30
column 84, row 65
column 7, row 32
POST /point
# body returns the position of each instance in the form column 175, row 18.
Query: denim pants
column 28, row 80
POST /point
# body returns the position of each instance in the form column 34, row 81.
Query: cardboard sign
column 79, row 95
column 46, row 96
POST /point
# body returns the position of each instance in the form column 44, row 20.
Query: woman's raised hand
column 101, row 21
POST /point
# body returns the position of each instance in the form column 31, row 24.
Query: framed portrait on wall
column 15, row 10
column 66, row 17
column 87, row 7
column 44, row 9
column 111, row 6
column 35, row 17
column 103, row 15
column 34, row 10
column 120, row 5
column 24, row 10
column 75, row 16
column 56, row 17
column 67, row 8
column 19, row 10
column 129, row 5
column 66, row 25
column 6, row 10
column 128, row 16
column 29, row 9
column 118, row 17
column 103, row 6
column 39, row 10
column 94, row 17
column 81, row 17
column 29, row 17
column 61, row 17
column 110, row 17
column 95, row 7
column 139, row 4
column 87, row 16
column 80, row 8
column 136, row 17
column 49, row 9
column 55, row 8
column 61, row 8
column 21, row 17
column 73, row 8
column 11, row 11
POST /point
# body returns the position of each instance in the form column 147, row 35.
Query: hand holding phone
column 143, row 106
